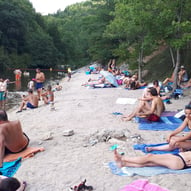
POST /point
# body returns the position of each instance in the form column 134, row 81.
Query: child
column 30, row 85
column 58, row 87
column 48, row 95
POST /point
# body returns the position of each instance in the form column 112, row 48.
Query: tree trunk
column 172, row 57
column 140, row 65
column 176, row 69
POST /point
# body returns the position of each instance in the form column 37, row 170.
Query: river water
column 16, row 88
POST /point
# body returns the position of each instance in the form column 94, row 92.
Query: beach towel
column 102, row 86
column 143, row 185
column 169, row 113
column 10, row 168
column 126, row 101
column 142, row 147
column 166, row 123
column 27, row 153
column 144, row 171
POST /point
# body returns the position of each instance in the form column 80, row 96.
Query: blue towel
column 166, row 123
column 144, row 171
column 117, row 113
column 142, row 148
column 10, row 168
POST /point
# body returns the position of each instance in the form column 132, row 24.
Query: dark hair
column 9, row 184
column 3, row 115
column 133, row 85
column 49, row 87
column 156, row 82
column 188, row 106
column 30, row 91
column 153, row 91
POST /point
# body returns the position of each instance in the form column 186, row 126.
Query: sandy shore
column 67, row 160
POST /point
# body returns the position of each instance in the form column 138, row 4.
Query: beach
column 68, row 160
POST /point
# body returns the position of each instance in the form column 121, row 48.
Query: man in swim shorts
column 12, row 137
column 40, row 78
column 151, row 111
column 30, row 101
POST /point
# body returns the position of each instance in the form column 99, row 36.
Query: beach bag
column 177, row 93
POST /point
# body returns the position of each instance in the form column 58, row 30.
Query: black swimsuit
column 185, row 165
column 7, row 151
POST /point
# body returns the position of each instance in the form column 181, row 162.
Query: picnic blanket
column 166, row 123
column 142, row 147
column 143, row 185
column 144, row 171
column 10, row 168
column 27, row 153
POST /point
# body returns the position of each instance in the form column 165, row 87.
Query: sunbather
column 12, row 138
column 181, row 142
column 171, row 161
column 92, row 82
column 146, row 110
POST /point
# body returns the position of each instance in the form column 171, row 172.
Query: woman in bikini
column 48, row 96
column 181, row 142
column 171, row 161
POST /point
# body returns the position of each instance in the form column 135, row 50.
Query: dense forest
column 94, row 30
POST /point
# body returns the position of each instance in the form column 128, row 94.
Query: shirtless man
column 30, row 101
column 12, row 138
column 152, row 111
column 40, row 78
column 172, row 161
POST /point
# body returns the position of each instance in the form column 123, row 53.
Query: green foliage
column 94, row 30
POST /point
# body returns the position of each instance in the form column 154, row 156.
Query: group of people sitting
column 177, row 161
column 182, row 78
column 32, row 100
column 151, row 107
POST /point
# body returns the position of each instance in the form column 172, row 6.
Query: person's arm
column 153, row 108
column 178, row 130
column 2, row 149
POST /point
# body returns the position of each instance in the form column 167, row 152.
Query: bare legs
column 182, row 146
column 139, row 111
column 166, row 160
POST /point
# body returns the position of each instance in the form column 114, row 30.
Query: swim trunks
column 185, row 166
column 39, row 85
column 2, row 96
column 153, row 117
column 7, row 151
column 29, row 105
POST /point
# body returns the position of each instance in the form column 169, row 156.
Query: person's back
column 12, row 138
column 158, row 105
column 13, row 135
column 33, row 99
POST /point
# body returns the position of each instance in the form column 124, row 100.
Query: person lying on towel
column 176, row 161
column 12, row 138
column 151, row 110
column 182, row 142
